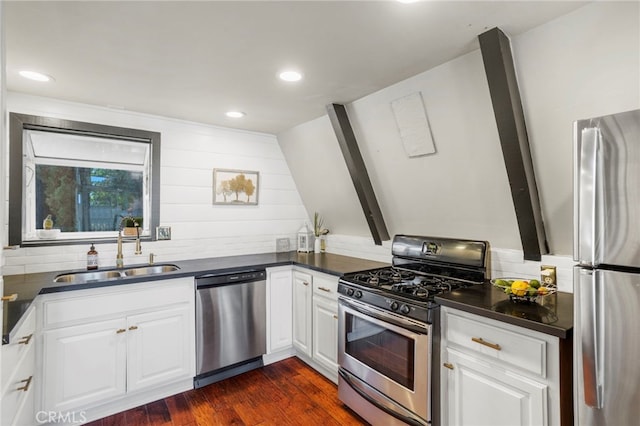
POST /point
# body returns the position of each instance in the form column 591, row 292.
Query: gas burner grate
column 405, row 282
column 382, row 277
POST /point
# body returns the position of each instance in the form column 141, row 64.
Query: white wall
column 584, row 64
column 189, row 152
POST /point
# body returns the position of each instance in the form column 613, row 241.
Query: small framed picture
column 235, row 187
column 163, row 233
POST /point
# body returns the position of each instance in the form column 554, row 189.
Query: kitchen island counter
column 29, row 286
column 552, row 314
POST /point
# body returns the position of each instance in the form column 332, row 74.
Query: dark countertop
column 552, row 314
column 28, row 286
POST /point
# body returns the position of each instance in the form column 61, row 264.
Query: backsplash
column 504, row 262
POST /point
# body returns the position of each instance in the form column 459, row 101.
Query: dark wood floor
column 284, row 393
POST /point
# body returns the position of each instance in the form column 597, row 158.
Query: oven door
column 389, row 353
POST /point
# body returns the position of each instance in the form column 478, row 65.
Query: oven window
column 383, row 350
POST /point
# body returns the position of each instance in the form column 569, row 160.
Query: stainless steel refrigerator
column 607, row 276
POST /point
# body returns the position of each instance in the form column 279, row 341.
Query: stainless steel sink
column 150, row 270
column 87, row 277
column 94, row 276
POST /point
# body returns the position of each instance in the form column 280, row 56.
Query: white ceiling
column 197, row 60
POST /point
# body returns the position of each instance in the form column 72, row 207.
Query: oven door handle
column 409, row 418
column 387, row 317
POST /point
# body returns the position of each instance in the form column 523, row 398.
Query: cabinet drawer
column 22, row 340
column 19, row 387
column 325, row 287
column 104, row 303
column 302, row 278
column 521, row 351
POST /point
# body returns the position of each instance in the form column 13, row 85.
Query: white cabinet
column 279, row 312
column 496, row 373
column 106, row 347
column 302, row 292
column 18, row 374
column 84, row 364
column 325, row 332
column 158, row 347
column 315, row 320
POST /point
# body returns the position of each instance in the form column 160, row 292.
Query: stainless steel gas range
column 388, row 327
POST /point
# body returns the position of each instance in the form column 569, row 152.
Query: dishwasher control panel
column 229, row 278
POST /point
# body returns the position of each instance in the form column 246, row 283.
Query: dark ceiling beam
column 507, row 106
column 358, row 172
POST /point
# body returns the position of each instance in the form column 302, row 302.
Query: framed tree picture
column 235, row 187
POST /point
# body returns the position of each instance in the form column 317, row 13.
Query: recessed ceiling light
column 407, row 1
column 34, row 75
column 290, row 76
column 235, row 114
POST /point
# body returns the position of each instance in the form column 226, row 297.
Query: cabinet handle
column 328, row 290
column 448, row 365
column 305, row 283
column 25, row 340
column 120, row 330
column 10, row 298
column 27, row 383
column 485, row 343
column 133, row 327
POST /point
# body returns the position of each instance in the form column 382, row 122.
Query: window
column 85, row 177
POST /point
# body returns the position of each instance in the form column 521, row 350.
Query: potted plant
column 319, row 231
column 129, row 225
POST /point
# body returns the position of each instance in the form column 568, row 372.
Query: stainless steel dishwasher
column 230, row 324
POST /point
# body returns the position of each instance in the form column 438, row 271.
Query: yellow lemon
column 543, row 290
column 519, row 288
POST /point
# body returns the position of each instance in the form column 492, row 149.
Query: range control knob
column 394, row 306
column 405, row 309
column 350, row 292
column 358, row 294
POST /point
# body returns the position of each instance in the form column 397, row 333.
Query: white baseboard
column 278, row 356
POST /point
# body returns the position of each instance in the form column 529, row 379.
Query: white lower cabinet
column 325, row 332
column 494, row 373
column 302, row 293
column 120, row 347
column 279, row 314
column 158, row 347
column 84, row 364
column 19, row 377
column 315, row 320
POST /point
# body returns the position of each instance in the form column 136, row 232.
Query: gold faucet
column 119, row 256
column 138, row 245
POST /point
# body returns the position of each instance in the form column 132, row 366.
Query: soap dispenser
column 92, row 258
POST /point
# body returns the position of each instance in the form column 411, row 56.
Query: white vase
column 316, row 245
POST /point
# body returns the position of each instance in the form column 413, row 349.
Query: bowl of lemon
column 523, row 290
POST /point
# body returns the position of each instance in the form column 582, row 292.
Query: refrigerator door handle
column 588, row 197
column 590, row 338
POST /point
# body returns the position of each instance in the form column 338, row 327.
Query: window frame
column 20, row 122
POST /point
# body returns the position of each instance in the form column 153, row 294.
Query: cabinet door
column 302, row 312
column 481, row 393
column 84, row 364
column 161, row 347
column 279, row 310
column 325, row 332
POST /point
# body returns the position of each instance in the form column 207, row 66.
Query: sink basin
column 150, row 270
column 87, row 277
